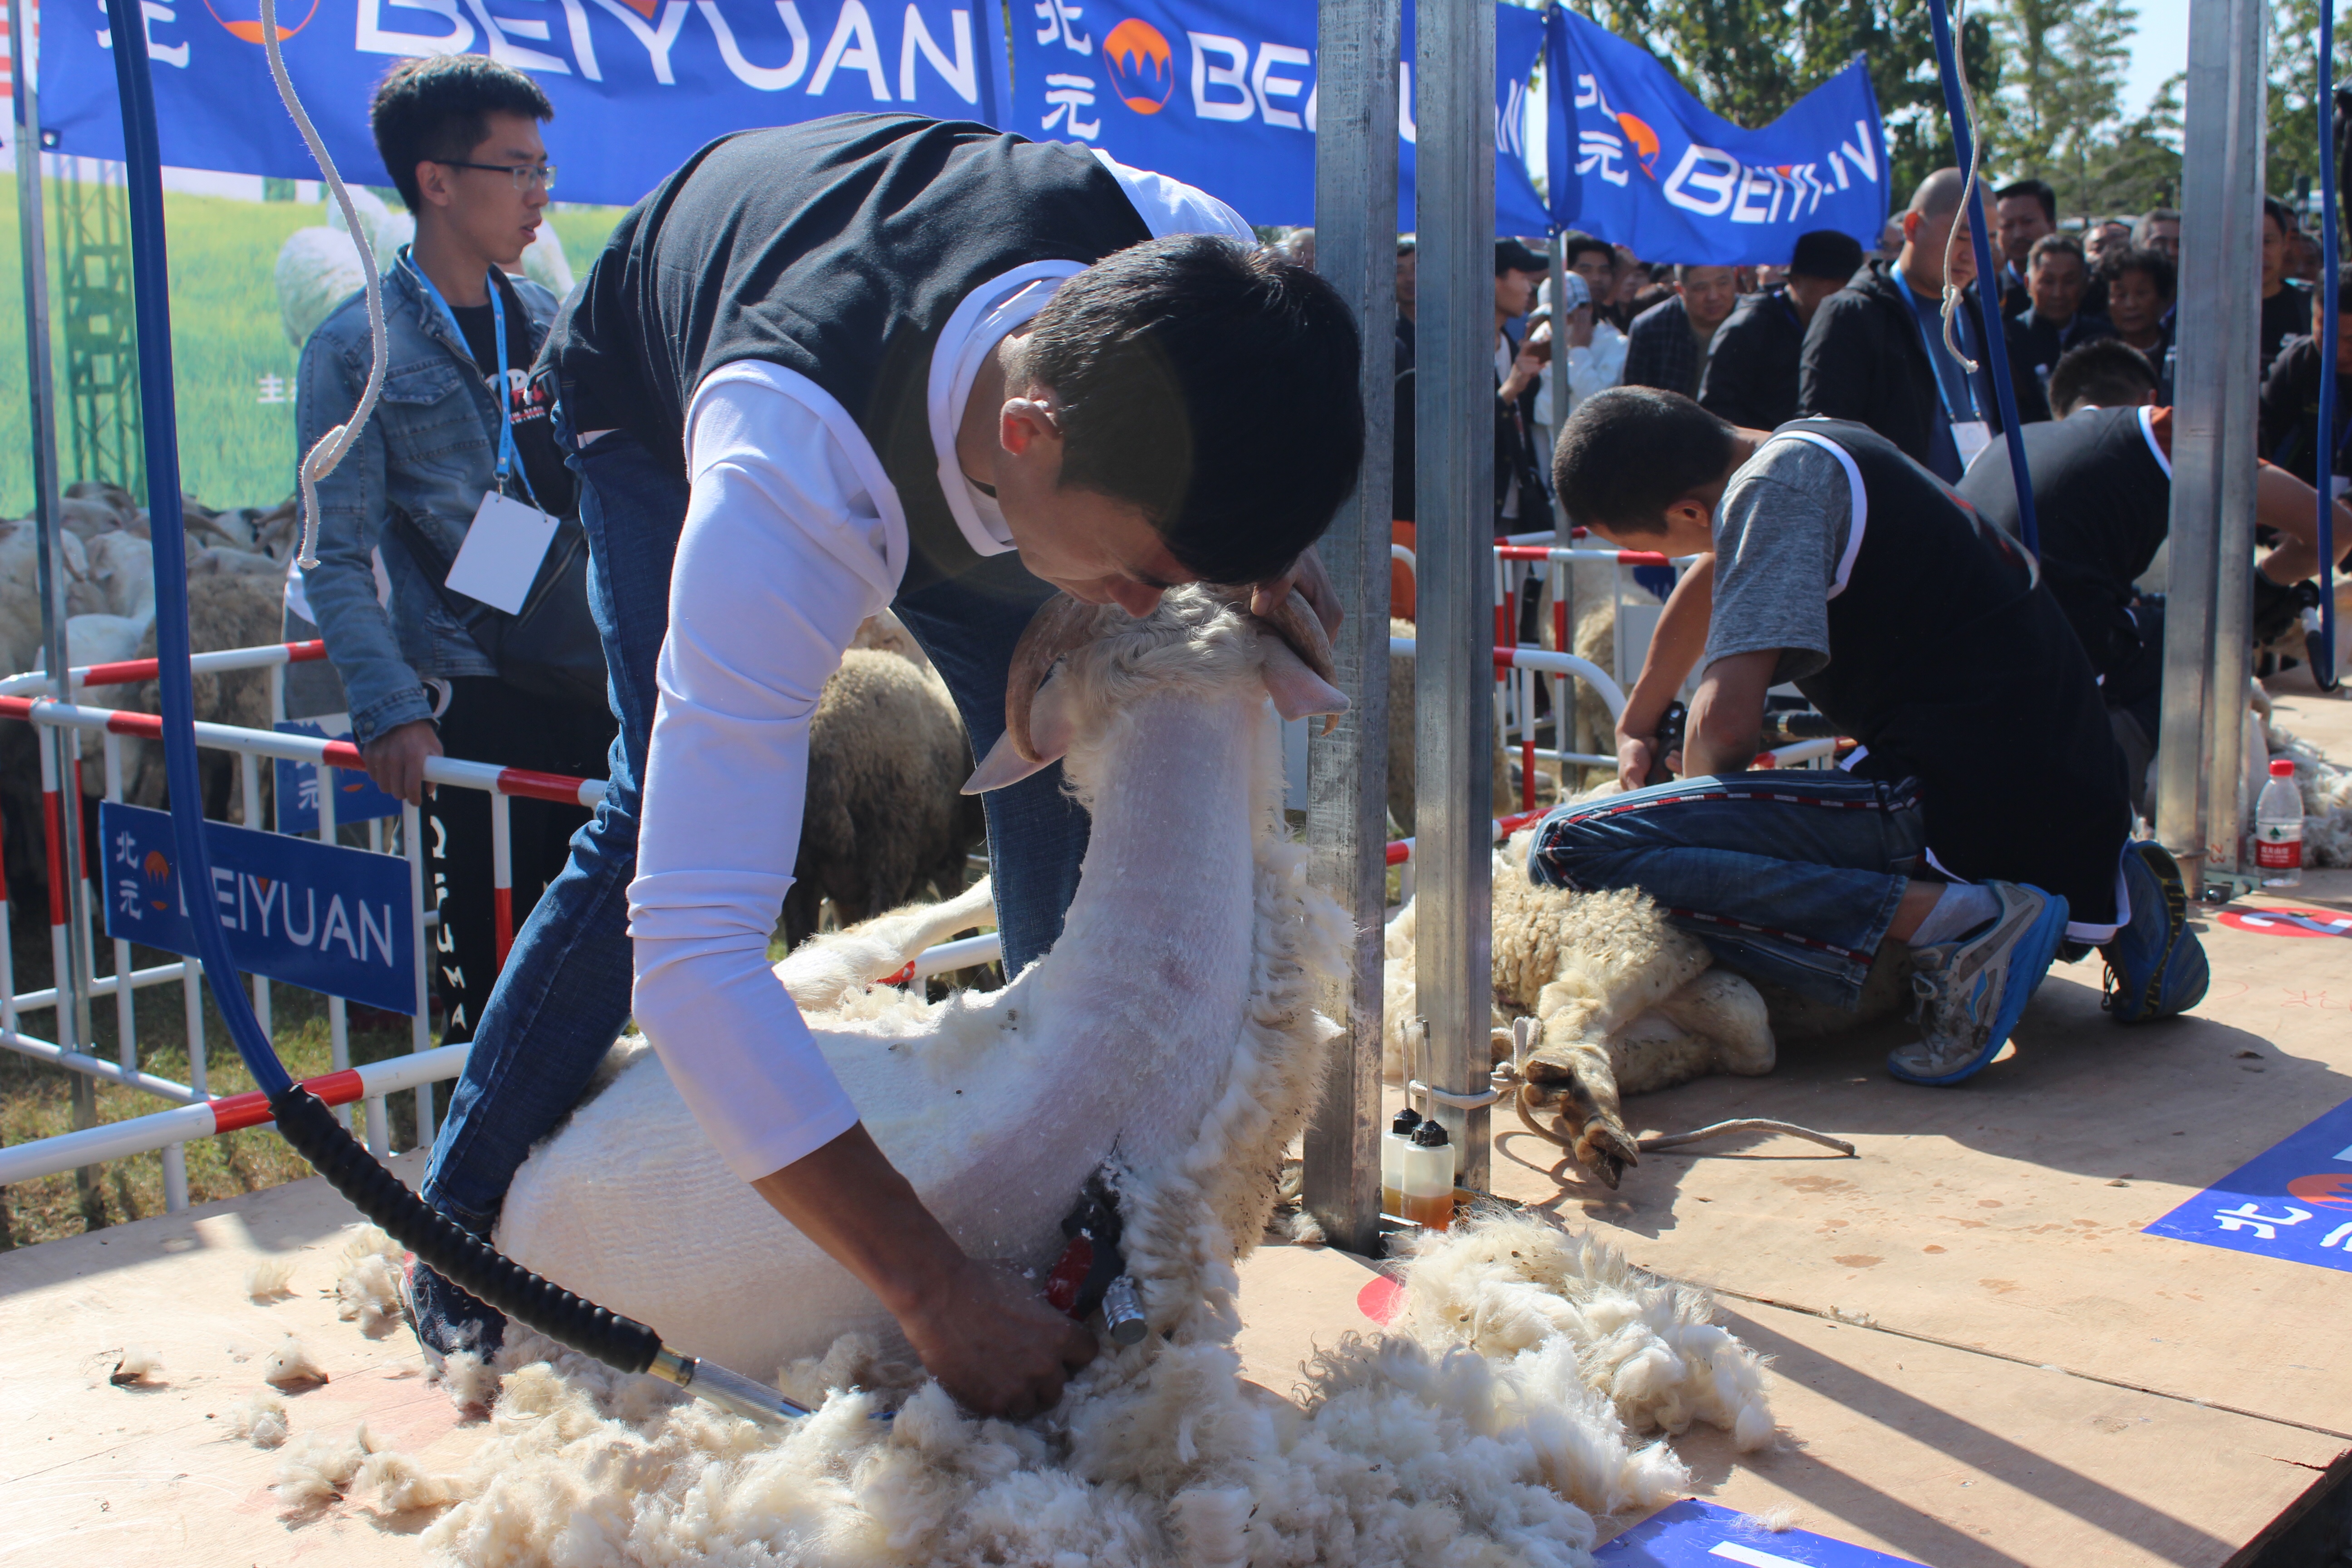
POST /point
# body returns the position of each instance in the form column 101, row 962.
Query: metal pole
column 2323, row 657
column 1454, row 496
column 1346, row 787
column 2235, row 322
column 2202, row 391
column 73, row 1016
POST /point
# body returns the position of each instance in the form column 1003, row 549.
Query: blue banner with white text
column 336, row 921
column 1637, row 161
column 638, row 85
column 1221, row 94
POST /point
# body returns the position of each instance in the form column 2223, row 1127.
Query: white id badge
column 1971, row 437
column 500, row 560
column 2337, row 484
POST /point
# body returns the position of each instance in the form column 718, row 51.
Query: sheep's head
column 1091, row 658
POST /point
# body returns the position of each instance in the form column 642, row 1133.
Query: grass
column 234, row 450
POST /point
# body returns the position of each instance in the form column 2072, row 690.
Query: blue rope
column 1987, row 283
column 151, row 293
column 2323, row 657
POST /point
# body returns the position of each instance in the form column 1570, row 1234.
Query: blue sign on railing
column 356, row 798
column 315, row 915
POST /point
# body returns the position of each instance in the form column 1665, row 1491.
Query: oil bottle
column 1393, row 1145
column 1429, row 1178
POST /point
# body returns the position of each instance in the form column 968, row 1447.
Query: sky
column 2160, row 49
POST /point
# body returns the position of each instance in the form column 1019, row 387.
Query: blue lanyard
column 506, row 463
column 1929, row 343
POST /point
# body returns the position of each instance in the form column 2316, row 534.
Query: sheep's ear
column 1051, row 726
column 1298, row 691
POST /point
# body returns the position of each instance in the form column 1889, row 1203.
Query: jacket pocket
column 429, row 414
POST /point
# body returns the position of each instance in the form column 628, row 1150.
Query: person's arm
column 1675, row 645
column 783, row 551
column 2285, row 503
column 1727, row 717
column 391, row 718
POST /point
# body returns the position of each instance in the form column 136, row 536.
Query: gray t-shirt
column 1779, row 536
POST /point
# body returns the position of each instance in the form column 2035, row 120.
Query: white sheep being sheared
column 1170, row 1036
column 1162, row 720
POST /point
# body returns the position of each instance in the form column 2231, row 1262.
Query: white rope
column 1976, row 164
column 321, row 459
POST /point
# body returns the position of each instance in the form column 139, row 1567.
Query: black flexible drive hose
column 450, row 1249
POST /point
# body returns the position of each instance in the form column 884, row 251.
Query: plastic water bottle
column 2278, row 828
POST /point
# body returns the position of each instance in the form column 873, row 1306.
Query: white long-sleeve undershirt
column 792, row 536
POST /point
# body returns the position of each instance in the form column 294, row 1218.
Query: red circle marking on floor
column 2288, row 922
column 2330, row 1189
column 1379, row 1299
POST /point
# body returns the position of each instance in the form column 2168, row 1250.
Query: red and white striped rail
column 369, row 1084
column 131, row 672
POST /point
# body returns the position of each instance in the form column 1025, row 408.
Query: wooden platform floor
column 1980, row 1359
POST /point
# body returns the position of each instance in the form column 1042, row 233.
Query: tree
column 2057, row 116
column 2292, row 112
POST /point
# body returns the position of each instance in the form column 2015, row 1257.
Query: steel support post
column 2199, row 817
column 1355, row 248
column 1453, row 499
column 73, row 1013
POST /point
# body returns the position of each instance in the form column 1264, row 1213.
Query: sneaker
column 446, row 1319
column 2156, row 965
column 1973, row 991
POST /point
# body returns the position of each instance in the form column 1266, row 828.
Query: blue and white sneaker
column 2156, row 965
column 1973, row 991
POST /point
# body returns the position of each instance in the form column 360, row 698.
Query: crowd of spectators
column 1840, row 333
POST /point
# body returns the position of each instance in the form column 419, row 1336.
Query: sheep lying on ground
column 884, row 818
column 1487, row 1430
column 1625, row 1000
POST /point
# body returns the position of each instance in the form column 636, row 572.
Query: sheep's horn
column 1296, row 624
column 1060, row 624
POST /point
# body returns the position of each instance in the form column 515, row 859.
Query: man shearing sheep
column 1983, row 820
column 873, row 360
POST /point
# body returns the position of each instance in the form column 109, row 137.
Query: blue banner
column 1221, row 94
column 638, row 85
column 1637, row 161
column 315, row 915
column 356, row 798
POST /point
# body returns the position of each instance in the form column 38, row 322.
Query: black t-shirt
column 2286, row 314
column 527, row 404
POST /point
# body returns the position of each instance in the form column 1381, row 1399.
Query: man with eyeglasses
column 458, row 498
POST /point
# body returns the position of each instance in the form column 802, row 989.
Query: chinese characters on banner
column 1221, row 94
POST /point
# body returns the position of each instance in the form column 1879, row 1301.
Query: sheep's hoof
column 1605, row 1151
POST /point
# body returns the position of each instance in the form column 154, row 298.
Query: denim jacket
column 428, row 453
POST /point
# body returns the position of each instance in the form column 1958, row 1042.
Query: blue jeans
column 1788, row 877
column 563, row 998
